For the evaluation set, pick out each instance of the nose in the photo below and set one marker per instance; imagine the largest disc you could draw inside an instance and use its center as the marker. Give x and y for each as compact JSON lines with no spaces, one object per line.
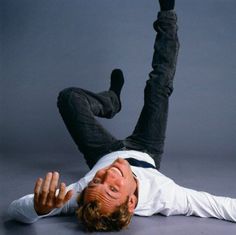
{"x":109,"y":175}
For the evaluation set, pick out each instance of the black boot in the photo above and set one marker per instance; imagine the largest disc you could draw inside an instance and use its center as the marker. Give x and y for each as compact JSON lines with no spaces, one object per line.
{"x":117,"y":82}
{"x":167,"y":5}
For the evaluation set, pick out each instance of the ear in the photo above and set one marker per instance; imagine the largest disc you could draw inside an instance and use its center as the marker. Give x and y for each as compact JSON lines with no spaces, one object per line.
{"x":132,"y":202}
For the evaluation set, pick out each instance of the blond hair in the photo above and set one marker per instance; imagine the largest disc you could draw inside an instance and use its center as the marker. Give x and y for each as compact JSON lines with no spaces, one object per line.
{"x":91,"y":217}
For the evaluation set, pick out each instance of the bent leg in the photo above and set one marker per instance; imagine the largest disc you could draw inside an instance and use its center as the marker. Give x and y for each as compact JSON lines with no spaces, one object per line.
{"x":149,"y":133}
{"x":78,"y":108}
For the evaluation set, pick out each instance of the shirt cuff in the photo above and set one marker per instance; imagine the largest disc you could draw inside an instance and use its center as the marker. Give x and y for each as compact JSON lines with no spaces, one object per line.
{"x":33,"y":214}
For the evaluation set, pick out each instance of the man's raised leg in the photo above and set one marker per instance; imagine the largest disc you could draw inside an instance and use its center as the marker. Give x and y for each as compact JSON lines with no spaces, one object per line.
{"x":149,"y":133}
{"x":78,"y":108}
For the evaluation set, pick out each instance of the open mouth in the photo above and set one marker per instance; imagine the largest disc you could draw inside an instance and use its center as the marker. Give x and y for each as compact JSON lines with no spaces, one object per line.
{"x":117,"y":170}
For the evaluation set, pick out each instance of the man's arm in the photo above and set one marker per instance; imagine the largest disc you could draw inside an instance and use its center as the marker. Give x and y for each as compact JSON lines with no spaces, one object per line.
{"x":184,"y":201}
{"x":47,"y":200}
{"x":203,"y":204}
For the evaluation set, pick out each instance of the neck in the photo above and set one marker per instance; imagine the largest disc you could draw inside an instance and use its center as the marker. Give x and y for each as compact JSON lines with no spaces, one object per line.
{"x":136,"y":189}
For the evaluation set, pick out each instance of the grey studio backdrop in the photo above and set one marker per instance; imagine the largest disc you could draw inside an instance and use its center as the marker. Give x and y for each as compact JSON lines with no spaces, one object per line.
{"x":48,"y":45}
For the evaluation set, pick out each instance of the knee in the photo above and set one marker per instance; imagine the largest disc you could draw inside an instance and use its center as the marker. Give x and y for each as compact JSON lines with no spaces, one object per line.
{"x":70,"y":95}
{"x":63,"y":96}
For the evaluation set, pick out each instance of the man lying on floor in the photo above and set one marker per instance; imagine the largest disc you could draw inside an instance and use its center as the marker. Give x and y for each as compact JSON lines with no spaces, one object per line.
{"x":124,"y":179}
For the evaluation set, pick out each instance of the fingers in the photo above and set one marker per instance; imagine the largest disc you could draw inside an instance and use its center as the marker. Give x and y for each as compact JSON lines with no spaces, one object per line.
{"x":61,"y":195}
{"x":37,"y":189}
{"x":52,"y":189}
{"x":68,"y":196}
{"x":45,"y":188}
{"x":45,"y":193}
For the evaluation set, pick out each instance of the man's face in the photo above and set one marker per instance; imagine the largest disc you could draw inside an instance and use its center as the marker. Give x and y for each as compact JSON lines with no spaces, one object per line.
{"x":112,"y":185}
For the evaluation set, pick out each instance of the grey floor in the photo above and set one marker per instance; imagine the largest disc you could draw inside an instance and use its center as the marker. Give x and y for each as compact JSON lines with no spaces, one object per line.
{"x":209,"y":173}
{"x":47,"y":45}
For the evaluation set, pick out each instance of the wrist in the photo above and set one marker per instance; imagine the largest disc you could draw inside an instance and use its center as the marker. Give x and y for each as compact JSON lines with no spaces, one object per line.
{"x":41,"y":211}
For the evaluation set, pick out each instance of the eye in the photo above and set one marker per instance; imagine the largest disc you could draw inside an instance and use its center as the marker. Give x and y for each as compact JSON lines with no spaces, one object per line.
{"x":113,"y":189}
{"x":96,"y":181}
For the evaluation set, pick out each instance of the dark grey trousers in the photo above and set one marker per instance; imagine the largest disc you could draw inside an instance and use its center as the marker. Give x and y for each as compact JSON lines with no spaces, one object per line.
{"x":78,"y":107}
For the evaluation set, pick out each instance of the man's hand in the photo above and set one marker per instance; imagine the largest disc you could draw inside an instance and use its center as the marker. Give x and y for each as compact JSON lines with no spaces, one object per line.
{"x":45,"y":197}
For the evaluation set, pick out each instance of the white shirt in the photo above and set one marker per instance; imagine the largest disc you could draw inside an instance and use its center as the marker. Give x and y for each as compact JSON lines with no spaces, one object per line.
{"x":157,"y":194}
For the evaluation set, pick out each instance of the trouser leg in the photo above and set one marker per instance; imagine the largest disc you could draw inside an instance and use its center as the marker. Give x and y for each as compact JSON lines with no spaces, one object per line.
{"x":78,"y":108}
{"x":149,"y":132}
